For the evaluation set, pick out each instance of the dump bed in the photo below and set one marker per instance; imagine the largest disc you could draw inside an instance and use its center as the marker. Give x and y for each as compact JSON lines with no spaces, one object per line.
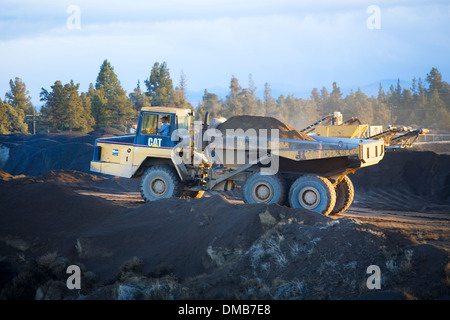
{"x":369,"y":152}
{"x":326,"y":156}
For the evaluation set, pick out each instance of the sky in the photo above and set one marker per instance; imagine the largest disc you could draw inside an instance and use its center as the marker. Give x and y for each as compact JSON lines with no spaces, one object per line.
{"x":293,"y":45}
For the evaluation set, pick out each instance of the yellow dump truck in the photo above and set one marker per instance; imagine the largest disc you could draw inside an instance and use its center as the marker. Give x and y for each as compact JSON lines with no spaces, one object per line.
{"x":192,"y":157}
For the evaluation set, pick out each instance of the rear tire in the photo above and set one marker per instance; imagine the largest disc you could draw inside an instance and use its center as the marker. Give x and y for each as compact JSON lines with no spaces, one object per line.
{"x":160,"y":182}
{"x":313,"y":193}
{"x":345,"y":193}
{"x":269,"y":189}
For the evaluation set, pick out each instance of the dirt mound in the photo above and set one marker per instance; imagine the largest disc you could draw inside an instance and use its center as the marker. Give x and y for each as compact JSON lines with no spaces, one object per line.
{"x":405,"y":180}
{"x":5,"y":176}
{"x":82,"y":180}
{"x":35,"y":155}
{"x":106,"y":132}
{"x":206,"y":248}
{"x":69,"y":176}
{"x":47,"y":216}
{"x":437,"y":147}
{"x":184,"y":238}
{"x":257,"y":123}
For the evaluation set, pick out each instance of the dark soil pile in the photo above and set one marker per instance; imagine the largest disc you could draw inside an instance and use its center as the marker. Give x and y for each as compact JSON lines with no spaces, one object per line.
{"x":405,"y":180}
{"x":257,"y":123}
{"x":70,"y":177}
{"x":438,"y":147}
{"x":206,"y":248}
{"x":80,"y":180}
{"x":35,"y":155}
{"x":5,"y":176}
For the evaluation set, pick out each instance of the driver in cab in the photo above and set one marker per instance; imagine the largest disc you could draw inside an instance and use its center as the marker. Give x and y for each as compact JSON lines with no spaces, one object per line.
{"x":164,"y":128}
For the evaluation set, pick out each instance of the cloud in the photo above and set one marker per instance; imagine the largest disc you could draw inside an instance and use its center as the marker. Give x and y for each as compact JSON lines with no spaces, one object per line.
{"x":299,"y":44}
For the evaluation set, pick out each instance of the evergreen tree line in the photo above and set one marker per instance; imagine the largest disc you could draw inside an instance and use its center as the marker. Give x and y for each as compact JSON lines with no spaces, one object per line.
{"x":424,"y":104}
{"x":106,"y":104}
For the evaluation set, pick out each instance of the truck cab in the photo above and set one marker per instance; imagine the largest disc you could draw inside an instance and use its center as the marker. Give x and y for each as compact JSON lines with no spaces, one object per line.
{"x":124,"y":155}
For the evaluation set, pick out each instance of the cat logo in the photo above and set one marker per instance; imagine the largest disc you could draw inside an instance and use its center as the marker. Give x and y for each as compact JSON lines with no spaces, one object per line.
{"x":154,"y":142}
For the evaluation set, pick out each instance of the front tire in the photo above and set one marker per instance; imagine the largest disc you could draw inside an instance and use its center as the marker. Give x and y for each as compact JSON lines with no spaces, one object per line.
{"x":160,"y":182}
{"x":313,"y":193}
{"x":269,"y":189}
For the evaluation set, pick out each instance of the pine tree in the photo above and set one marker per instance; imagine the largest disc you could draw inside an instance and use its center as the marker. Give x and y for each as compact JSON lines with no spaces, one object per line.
{"x":107,"y":80}
{"x":139,"y":99}
{"x":315,"y":96}
{"x":421,"y":101}
{"x":414,"y":86}
{"x":18,"y":96}
{"x":251,"y":85}
{"x":316,"y":100}
{"x":395,"y":94}
{"x":4,"y":121}
{"x":434,"y":79}
{"x":247,"y":98}
{"x":324,"y":97}
{"x":324,"y":94}
{"x":109,"y":103}
{"x":269,"y":103}
{"x":74,"y":114}
{"x":180,"y":94}
{"x":283,"y":111}
{"x":99,"y":108}
{"x":54,"y":101}
{"x":381,"y":94}
{"x":332,"y":102}
{"x":65,"y":109}
{"x":19,"y":99}
{"x":381,"y":113}
{"x":247,"y":101}
{"x":210,"y":103}
{"x":183,"y":83}
{"x":232,"y":101}
{"x":435,"y":110}
{"x":87,"y":111}
{"x":12,"y":120}
{"x":365,"y":110}
{"x":407,"y":107}
{"x":336,"y":93}
{"x":159,"y":85}
{"x":121,"y":110}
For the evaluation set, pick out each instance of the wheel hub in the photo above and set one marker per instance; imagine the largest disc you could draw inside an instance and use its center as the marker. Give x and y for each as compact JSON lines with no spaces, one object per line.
{"x":309,"y":197}
{"x":158,"y":186}
{"x":262,"y":192}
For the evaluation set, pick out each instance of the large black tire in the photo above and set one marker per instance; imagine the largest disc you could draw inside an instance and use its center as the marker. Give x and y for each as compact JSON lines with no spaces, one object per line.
{"x":313,"y":193}
{"x":345,"y":193}
{"x":160,"y":182}
{"x":269,"y":189}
